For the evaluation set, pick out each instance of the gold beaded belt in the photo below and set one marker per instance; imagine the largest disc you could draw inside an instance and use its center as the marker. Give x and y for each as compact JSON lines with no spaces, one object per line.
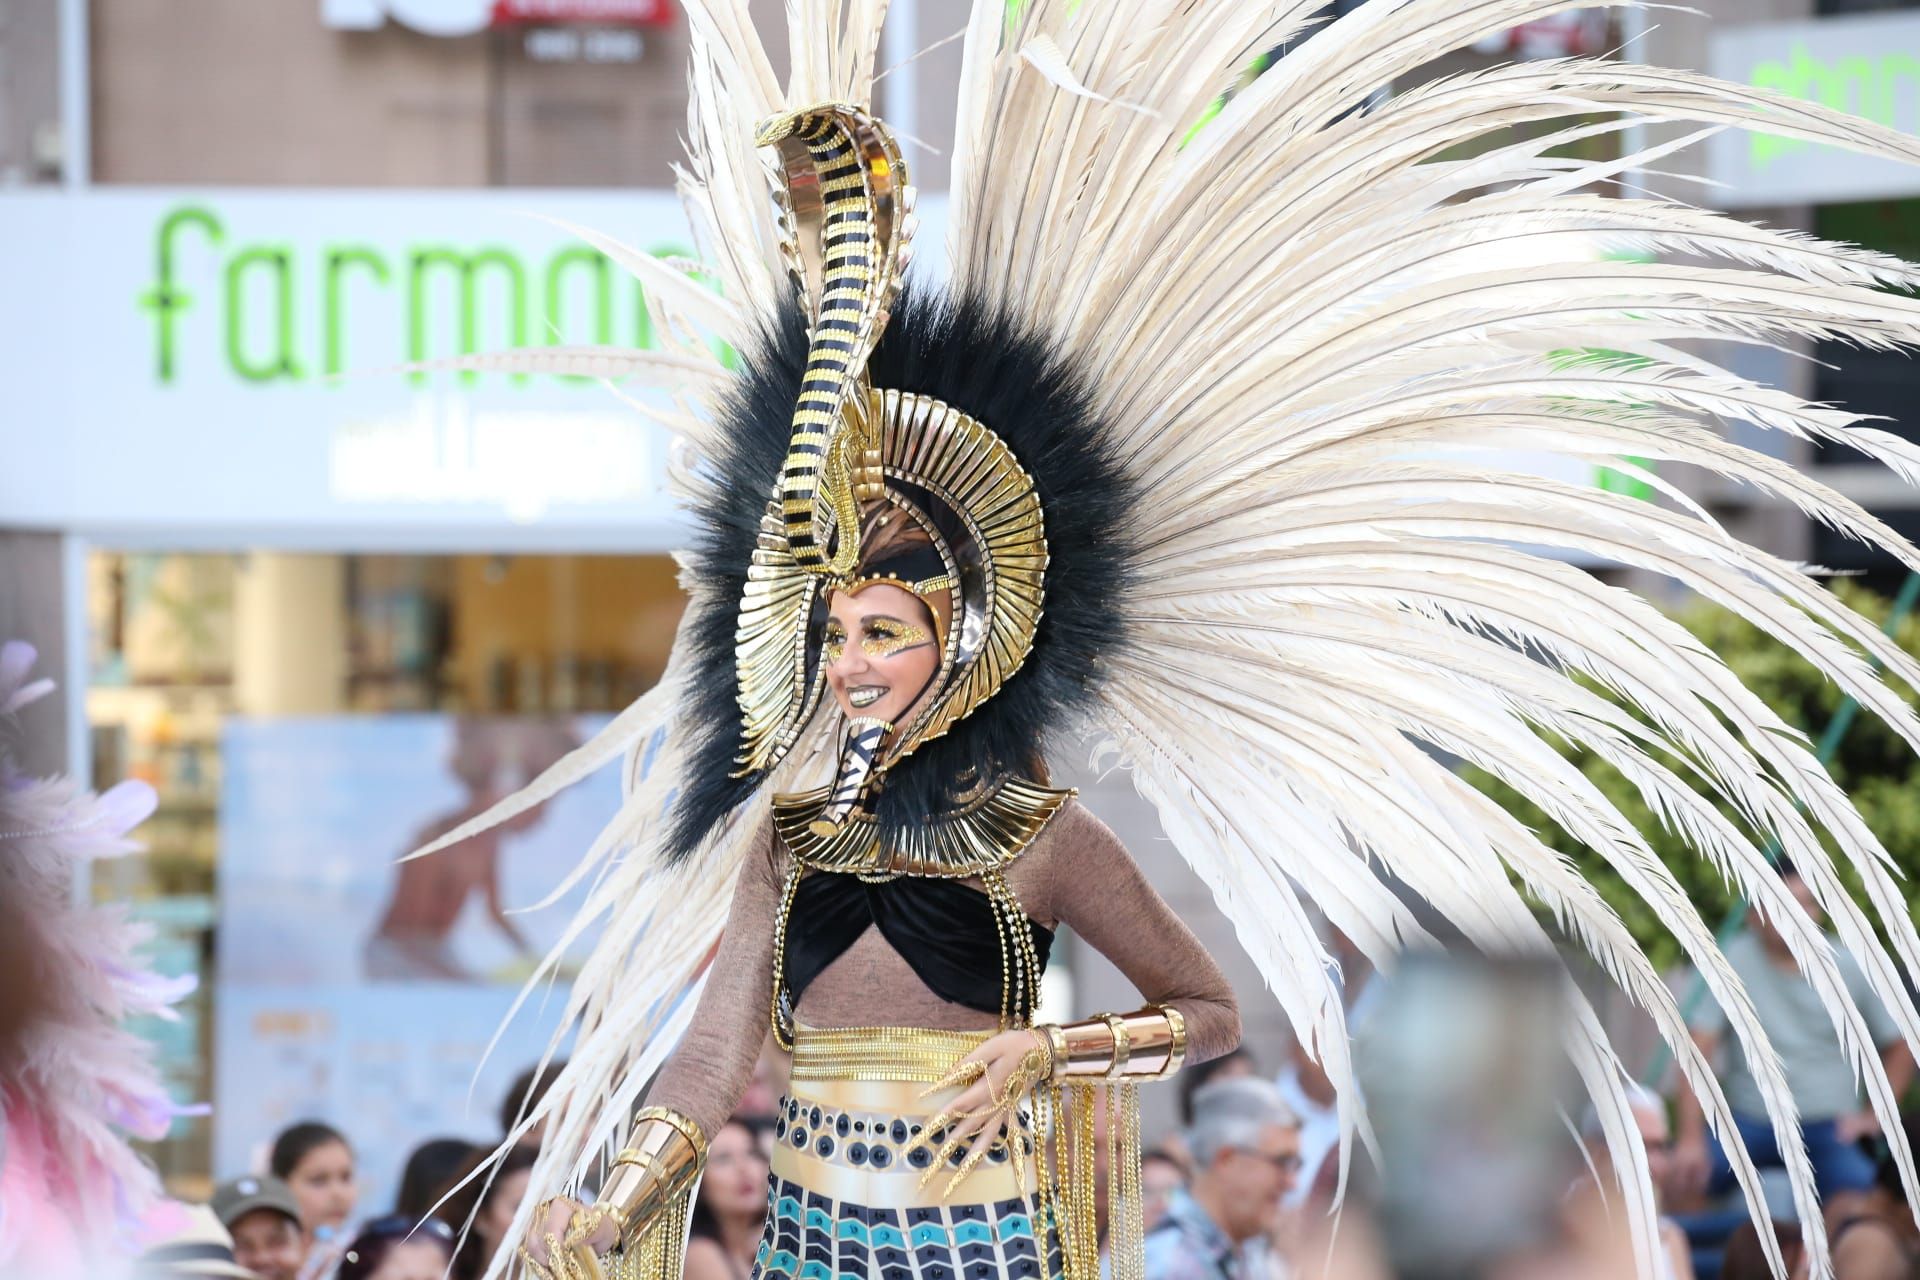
{"x":911,"y":1054}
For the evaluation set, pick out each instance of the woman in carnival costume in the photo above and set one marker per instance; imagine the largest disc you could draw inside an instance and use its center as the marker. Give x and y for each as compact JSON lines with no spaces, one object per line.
{"x":1198,"y":454}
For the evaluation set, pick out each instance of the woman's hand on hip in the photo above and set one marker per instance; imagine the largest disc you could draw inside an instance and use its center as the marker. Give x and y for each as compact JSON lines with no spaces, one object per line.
{"x":994,"y":1080}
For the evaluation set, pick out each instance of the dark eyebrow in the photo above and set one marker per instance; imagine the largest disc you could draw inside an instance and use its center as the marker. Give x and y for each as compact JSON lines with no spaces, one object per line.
{"x":883,"y":617}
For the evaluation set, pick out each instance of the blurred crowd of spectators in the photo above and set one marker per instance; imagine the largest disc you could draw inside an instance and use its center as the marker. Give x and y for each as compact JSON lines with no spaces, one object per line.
{"x":1247,"y":1187}
{"x":301,"y":1218}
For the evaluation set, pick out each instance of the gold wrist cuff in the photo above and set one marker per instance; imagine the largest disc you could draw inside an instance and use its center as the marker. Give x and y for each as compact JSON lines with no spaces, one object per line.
{"x":1056,"y":1039}
{"x":1089,"y":1049}
{"x":1177,"y":1028}
{"x":1122,"y":1046}
{"x":1148,"y":1044}
{"x":664,"y":1154}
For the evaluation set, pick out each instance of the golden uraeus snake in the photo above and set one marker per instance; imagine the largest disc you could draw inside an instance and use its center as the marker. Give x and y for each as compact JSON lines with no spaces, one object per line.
{"x":847,"y":229}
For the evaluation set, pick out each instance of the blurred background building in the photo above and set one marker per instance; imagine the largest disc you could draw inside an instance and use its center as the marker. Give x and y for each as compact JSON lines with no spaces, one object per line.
{"x":221,"y":218}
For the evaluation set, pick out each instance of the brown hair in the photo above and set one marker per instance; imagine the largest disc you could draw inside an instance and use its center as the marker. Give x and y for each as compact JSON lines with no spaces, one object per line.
{"x":893,"y":543}
{"x":463,"y":1204}
{"x":887,"y":531}
{"x":1746,"y":1260}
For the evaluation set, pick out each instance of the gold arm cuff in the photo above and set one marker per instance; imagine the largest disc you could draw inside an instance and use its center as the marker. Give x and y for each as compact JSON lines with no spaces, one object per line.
{"x":1122,"y":1046}
{"x":1147,"y":1044}
{"x":664,"y":1154}
{"x":1177,"y":1027}
{"x":685,"y":1127}
{"x":1056,"y":1048}
{"x":1089,"y":1049}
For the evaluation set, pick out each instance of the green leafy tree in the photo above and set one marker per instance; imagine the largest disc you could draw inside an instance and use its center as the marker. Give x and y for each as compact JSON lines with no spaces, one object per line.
{"x":1873,"y":765}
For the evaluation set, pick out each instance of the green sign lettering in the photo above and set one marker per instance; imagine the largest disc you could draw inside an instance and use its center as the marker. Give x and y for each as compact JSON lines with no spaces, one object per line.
{"x":275,"y":267}
{"x":336,"y":313}
{"x":442,"y":299}
{"x":600,"y":270}
{"x":1865,"y":85}
{"x":163,"y":299}
{"x":469,"y":267}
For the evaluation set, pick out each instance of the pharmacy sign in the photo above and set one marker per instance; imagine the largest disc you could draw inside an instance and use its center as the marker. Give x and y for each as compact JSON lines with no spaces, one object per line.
{"x":1866,"y":64}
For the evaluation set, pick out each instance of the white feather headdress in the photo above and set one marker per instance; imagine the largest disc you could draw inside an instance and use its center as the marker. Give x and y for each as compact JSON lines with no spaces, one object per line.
{"x":1298,"y":325}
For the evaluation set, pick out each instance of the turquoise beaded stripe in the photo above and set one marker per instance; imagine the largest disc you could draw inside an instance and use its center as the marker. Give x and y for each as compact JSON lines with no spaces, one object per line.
{"x":809,"y":1236}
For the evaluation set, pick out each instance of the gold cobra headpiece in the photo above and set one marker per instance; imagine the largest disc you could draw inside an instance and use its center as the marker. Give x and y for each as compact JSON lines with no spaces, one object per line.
{"x":847,"y":225}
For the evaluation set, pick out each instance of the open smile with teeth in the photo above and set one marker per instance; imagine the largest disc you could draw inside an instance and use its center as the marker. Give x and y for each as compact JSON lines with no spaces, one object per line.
{"x":866,"y":695}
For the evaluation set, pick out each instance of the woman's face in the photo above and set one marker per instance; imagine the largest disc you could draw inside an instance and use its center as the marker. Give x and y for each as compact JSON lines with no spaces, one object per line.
{"x":735,"y":1185}
{"x":880,"y":651}
{"x":323,"y":1183}
{"x":413,"y":1260}
{"x":496,"y":1215}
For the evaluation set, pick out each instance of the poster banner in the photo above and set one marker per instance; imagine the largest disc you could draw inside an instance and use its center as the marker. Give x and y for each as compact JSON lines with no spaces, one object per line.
{"x":361,"y":991}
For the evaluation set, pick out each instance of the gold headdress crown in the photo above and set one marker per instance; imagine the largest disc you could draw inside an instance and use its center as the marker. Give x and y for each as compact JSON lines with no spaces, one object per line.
{"x":847,"y":227}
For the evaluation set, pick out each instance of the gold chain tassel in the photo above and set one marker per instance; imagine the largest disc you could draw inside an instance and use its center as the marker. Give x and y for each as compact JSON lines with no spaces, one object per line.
{"x":782,"y":1025}
{"x":661,"y":1253}
{"x":1067,"y":1178}
{"x":1045,"y":1108}
{"x":1126,"y":1227}
{"x":1075,"y":1207}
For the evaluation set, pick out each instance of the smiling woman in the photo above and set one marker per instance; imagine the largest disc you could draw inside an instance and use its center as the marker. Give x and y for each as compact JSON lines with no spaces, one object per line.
{"x":892,"y":658}
{"x":884,"y":643}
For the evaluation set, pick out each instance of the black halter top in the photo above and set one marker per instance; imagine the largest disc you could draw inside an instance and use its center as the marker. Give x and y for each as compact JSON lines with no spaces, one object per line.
{"x":944,"y":929}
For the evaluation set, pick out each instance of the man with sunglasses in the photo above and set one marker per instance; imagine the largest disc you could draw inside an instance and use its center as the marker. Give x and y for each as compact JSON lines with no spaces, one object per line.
{"x":1590,"y":1211}
{"x":1246,"y":1157}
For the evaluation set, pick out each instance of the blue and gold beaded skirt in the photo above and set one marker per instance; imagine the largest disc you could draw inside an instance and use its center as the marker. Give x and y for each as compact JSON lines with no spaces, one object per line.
{"x":844,"y":1200}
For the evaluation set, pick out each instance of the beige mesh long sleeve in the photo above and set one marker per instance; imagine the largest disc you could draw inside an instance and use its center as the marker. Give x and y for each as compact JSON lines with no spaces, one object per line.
{"x":1093,"y":884}
{"x":705,"y":1076}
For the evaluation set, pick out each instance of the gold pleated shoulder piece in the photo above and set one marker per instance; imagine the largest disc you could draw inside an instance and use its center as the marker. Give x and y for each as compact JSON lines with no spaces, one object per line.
{"x":982,"y":836}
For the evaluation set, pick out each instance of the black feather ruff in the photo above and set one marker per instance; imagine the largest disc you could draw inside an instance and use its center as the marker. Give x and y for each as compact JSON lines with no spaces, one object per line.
{"x":973,"y":357}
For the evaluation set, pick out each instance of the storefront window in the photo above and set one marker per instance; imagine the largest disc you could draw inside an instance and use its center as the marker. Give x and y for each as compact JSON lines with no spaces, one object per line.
{"x":1868,"y":382}
{"x":191,"y":652}
{"x":1875,"y":384}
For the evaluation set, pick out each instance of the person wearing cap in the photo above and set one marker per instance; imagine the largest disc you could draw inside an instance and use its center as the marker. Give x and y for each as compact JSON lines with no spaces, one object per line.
{"x":197,"y":1247}
{"x":264,"y":1218}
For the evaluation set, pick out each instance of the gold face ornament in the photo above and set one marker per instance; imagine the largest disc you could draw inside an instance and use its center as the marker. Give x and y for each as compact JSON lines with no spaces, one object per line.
{"x":952,"y":478}
{"x":880,"y":639}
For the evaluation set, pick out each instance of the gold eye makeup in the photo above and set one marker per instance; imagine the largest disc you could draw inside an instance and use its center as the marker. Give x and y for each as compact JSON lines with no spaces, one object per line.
{"x":885,"y":637}
{"x":834,"y":644}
